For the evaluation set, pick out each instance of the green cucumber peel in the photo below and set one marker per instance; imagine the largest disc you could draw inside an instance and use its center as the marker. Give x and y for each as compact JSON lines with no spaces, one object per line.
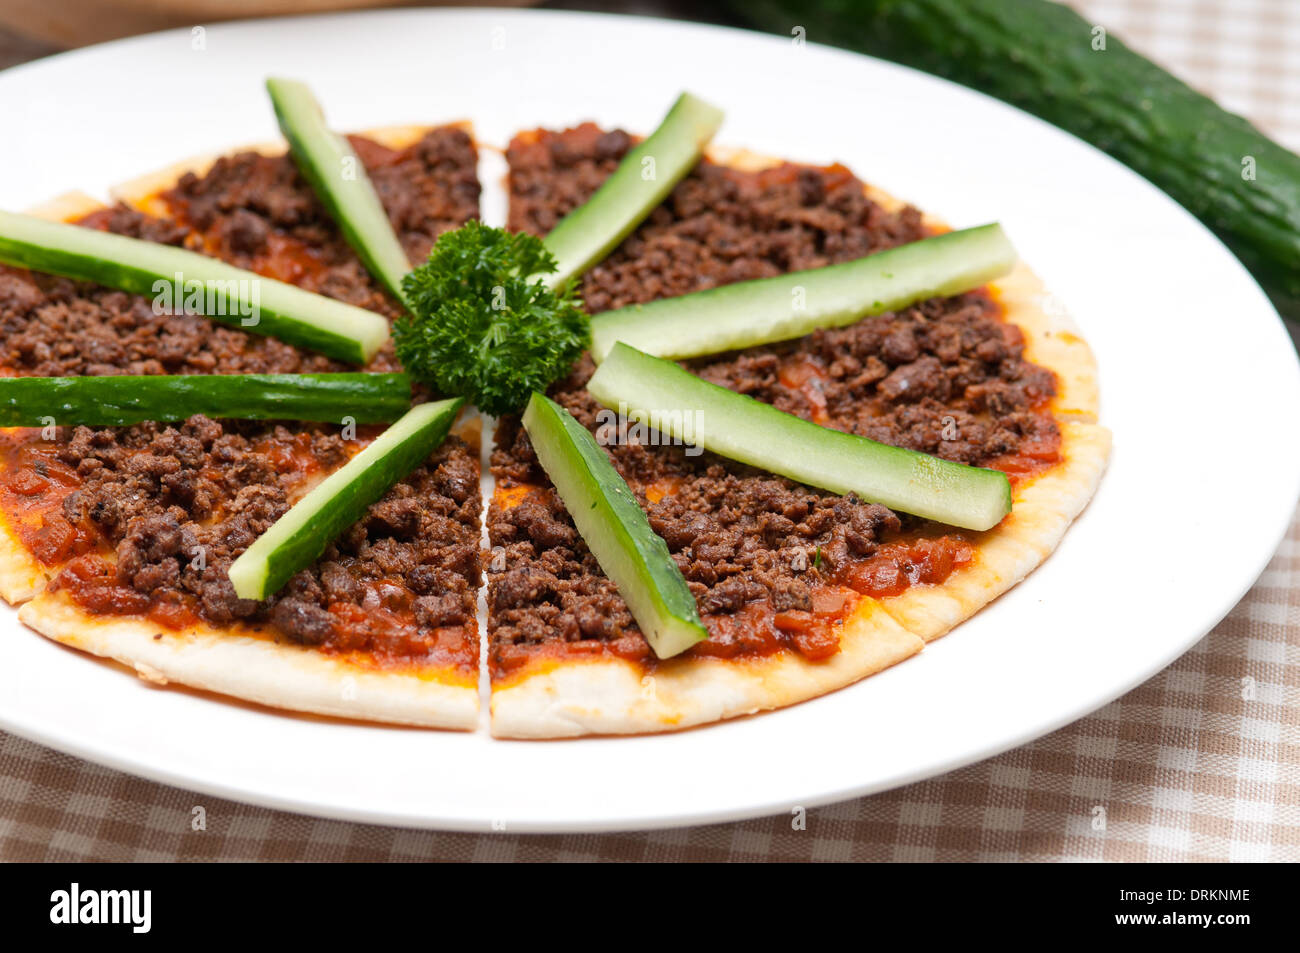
{"x":615,"y":528}
{"x":298,"y":538}
{"x":750,"y":313}
{"x":640,"y":183}
{"x":180,"y":280}
{"x":662,"y":394}
{"x":120,"y":401}
{"x":339,"y":179}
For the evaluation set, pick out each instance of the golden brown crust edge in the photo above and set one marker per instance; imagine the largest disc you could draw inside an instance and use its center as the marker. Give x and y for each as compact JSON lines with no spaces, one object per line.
{"x":1042,"y":510}
{"x":240,"y":665}
{"x":612,"y":696}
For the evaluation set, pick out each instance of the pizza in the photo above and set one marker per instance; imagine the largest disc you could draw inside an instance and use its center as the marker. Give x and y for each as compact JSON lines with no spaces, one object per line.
{"x":119,"y":540}
{"x":802,"y":591}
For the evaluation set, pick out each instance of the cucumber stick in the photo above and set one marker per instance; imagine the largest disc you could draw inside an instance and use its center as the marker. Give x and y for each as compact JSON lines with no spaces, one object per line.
{"x":1050,"y":61}
{"x":661,"y":394}
{"x":180,"y":280}
{"x":298,"y":538}
{"x":642,"y":180}
{"x":339,"y":180}
{"x":124,"y":400}
{"x":789,"y":306}
{"x":615,"y":528}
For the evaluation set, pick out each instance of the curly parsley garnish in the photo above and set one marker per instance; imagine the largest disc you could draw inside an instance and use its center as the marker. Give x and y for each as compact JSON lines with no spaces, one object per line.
{"x":483,"y":325}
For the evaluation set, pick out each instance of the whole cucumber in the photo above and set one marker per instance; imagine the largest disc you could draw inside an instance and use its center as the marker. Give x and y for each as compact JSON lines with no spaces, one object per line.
{"x":1046,"y":59}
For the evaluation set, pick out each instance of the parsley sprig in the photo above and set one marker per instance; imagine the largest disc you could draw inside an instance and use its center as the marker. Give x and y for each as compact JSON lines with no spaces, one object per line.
{"x":483,"y":325}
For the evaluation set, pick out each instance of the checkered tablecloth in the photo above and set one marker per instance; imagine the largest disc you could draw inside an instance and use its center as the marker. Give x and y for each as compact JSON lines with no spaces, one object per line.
{"x":1200,"y":763}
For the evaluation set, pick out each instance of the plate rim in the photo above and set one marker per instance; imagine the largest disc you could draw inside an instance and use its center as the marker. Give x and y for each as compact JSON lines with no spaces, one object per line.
{"x":142,"y":767}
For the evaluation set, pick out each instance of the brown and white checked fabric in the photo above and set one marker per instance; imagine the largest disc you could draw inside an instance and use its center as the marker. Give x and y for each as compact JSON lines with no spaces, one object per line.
{"x":1244,"y":53}
{"x":1200,"y":763}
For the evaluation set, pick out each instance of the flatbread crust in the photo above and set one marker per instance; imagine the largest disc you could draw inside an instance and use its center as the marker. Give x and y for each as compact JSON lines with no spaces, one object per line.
{"x":231,"y":661}
{"x":607,"y":696}
{"x":242,"y":664}
{"x":1042,"y":510}
{"x":567,"y":698}
{"x":21,"y":575}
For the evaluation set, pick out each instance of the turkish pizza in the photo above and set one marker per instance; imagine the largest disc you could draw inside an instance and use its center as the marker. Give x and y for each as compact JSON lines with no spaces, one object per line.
{"x":756,"y":429}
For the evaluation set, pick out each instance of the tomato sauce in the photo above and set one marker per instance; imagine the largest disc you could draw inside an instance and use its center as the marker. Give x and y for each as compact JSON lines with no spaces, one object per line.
{"x":758,"y":630}
{"x":804,"y":374}
{"x":292,"y":456}
{"x":924,"y":557}
{"x":1033,"y":458}
{"x":383,"y":632}
{"x":896,"y":566}
{"x":510,"y":496}
{"x":34,"y":482}
{"x":91,"y":582}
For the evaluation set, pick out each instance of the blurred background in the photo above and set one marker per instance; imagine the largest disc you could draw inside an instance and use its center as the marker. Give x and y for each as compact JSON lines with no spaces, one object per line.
{"x":1236,"y":50}
{"x":32,"y":28}
{"x":1245,"y":53}
{"x":1242,"y":54}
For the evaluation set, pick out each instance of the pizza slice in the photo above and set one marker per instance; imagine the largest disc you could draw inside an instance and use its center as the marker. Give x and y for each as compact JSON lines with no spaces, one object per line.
{"x":802,"y":591}
{"x":118,"y":539}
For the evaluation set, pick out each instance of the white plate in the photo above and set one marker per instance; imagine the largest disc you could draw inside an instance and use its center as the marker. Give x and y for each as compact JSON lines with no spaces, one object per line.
{"x":1199,"y":383}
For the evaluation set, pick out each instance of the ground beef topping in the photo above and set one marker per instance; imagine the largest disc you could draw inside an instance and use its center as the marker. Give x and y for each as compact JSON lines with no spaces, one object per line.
{"x":258,"y":212}
{"x":173,"y":506}
{"x":773,"y":564}
{"x":152,"y":516}
{"x":946,"y":377}
{"x":253,"y":211}
{"x":718,"y":226}
{"x":53,"y":327}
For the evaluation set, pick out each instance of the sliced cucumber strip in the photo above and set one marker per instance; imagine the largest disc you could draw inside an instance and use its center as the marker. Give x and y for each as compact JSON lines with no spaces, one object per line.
{"x":661,"y":395}
{"x":615,"y":528}
{"x":642,"y":180}
{"x":298,"y":538}
{"x":339,"y":180}
{"x":121,"y":401}
{"x":789,"y":306}
{"x":180,"y":280}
